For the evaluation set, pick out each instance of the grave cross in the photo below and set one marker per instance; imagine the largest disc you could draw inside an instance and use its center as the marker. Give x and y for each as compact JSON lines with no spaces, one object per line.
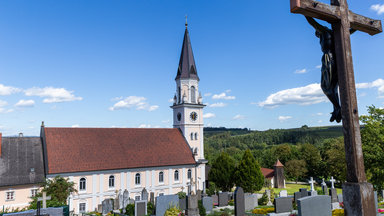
{"x":359,"y":200}
{"x":323,"y":183}
{"x":44,"y":199}
{"x":311,"y":182}
{"x":332,"y":181}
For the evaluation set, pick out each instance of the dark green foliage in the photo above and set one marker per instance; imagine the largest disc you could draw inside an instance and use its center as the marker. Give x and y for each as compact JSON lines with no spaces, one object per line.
{"x":150,"y":208}
{"x":130,"y":209}
{"x":372,"y":136}
{"x":212,"y":189}
{"x":202,"y":211}
{"x":58,"y":188}
{"x":182,"y":195}
{"x":296,"y":169}
{"x":222,"y":172}
{"x":248,"y":174}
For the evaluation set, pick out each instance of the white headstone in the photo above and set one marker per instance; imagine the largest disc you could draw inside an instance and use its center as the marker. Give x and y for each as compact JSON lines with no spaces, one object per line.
{"x":312,"y":186}
{"x":333,"y":181}
{"x":121,"y":199}
{"x":283,"y":193}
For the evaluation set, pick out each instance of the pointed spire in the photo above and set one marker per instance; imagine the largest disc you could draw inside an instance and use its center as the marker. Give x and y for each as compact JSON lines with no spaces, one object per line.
{"x":187,"y":66}
{"x":278,"y":164}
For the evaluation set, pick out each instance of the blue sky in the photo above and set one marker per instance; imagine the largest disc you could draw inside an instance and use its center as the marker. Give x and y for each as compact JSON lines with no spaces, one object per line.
{"x":69,"y":63}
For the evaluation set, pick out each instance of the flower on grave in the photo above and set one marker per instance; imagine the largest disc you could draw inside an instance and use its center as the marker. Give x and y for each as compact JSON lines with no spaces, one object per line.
{"x":341,"y":204}
{"x":338,"y":212}
{"x":263,"y":210}
{"x":380,"y":210}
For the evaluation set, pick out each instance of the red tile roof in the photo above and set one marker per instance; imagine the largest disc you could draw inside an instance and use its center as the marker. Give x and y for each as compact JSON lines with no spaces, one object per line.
{"x":91,"y":149}
{"x":267,"y":173}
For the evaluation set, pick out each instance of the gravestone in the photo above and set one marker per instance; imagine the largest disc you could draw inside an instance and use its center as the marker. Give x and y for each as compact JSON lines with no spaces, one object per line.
{"x":223,"y":199}
{"x":332,"y":182}
{"x":283,"y":204}
{"x":239,"y":202}
{"x":51,"y":211}
{"x":250,"y":201}
{"x":324,"y":188}
{"x":116,"y":203}
{"x":333,"y":194}
{"x":314,"y":206}
{"x":164,"y":202}
{"x":183,"y":203}
{"x":121,"y":199}
{"x":376,"y":204}
{"x":193,"y":208}
{"x":100,"y":208}
{"x":125,"y":199}
{"x":312,"y":193}
{"x":141,"y":208}
{"x":198,"y":194}
{"x":215,"y":199}
{"x":304,"y":192}
{"x":268,"y":192}
{"x":144,"y":194}
{"x":283,"y":193}
{"x":107,"y":206}
{"x":208,"y":204}
{"x":340,"y":197}
{"x":297,"y":195}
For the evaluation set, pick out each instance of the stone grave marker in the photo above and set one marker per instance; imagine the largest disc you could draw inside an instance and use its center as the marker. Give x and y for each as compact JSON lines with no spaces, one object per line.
{"x":250,"y":201}
{"x":340,"y":197}
{"x":144,"y":194}
{"x":125,"y":199}
{"x":283,"y":204}
{"x":215,"y":199}
{"x":193,"y":208}
{"x":100,"y":208}
{"x":376,"y":204}
{"x":283,"y":193}
{"x":268,"y":192}
{"x":208,"y":204}
{"x":152,"y":197}
{"x":183,"y":203}
{"x":239,"y":202}
{"x":332,"y":182}
{"x":164,"y":202}
{"x":324,"y":187}
{"x":121,"y":199}
{"x":223,"y":199}
{"x":312,"y":192}
{"x":141,"y":208}
{"x":107,"y":206}
{"x":304,"y":192}
{"x":333,"y":194}
{"x":198,"y":193}
{"x":314,"y":206}
{"x":297,"y":195}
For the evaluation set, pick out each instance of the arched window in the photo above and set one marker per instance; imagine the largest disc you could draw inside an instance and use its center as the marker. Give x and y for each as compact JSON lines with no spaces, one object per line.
{"x":189,"y":173}
{"x":137,"y":178}
{"x":111,"y":181}
{"x":161,"y":177}
{"x":176,"y":175}
{"x":82,"y":184}
{"x":195,"y":136}
{"x":193,"y":94}
{"x":191,"y":136}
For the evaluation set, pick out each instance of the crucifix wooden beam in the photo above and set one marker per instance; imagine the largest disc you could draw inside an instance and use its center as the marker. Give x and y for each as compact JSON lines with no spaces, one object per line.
{"x":357,"y":192}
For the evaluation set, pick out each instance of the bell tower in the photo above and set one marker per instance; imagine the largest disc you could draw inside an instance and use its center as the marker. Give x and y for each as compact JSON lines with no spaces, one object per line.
{"x":187,"y":102}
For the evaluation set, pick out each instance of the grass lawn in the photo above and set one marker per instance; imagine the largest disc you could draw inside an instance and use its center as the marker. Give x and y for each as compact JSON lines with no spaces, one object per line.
{"x":292,"y":188}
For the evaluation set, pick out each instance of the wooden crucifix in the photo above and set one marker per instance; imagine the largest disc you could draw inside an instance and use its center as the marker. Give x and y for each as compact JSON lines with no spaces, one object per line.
{"x":358,"y":194}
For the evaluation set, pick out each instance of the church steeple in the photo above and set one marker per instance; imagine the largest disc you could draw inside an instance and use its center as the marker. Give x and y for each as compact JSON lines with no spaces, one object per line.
{"x":187,"y":66}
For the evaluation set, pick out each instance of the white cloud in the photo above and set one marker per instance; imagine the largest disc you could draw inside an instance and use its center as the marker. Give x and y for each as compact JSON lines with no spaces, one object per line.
{"x":215,"y":105}
{"x":378,"y":8}
{"x":307,"y":95}
{"x":139,"y":103}
{"x":318,"y":66}
{"x":3,"y":103}
{"x":75,"y":126}
{"x":238,"y":117}
{"x":8,"y":90}
{"x":319,"y":114}
{"x":379,"y":84}
{"x":145,"y":126}
{"x":207,"y":94}
{"x":25,"y":103}
{"x":301,"y":71}
{"x":53,"y":95}
{"x":223,"y":96}
{"x":209,"y":115}
{"x":284,"y":118}
{"x":170,"y":100}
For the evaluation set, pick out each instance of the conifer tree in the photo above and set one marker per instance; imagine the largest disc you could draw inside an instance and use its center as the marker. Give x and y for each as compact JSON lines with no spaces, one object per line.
{"x":248,"y":173}
{"x":222,"y":172}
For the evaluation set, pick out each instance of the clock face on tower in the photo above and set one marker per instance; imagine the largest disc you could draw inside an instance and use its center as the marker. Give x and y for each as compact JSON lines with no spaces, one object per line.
{"x":178,"y":116}
{"x":193,"y":116}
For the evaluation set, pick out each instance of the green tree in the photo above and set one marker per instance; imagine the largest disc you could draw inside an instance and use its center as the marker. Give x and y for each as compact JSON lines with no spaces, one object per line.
{"x":311,"y":155}
{"x":222,"y":171}
{"x":58,"y":188}
{"x":335,"y":159}
{"x":248,"y":173}
{"x":296,"y":169}
{"x":372,"y":136}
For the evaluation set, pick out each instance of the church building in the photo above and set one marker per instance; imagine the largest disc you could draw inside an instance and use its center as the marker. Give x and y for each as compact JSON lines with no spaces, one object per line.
{"x":105,"y":161}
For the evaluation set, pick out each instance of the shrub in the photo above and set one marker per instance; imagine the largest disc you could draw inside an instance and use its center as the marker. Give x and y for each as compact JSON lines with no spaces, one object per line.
{"x":263,"y":210}
{"x":338,"y":212}
{"x":150,"y":208}
{"x":182,"y":195}
{"x":130,"y":209}
{"x":172,"y":211}
{"x":202,"y":210}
